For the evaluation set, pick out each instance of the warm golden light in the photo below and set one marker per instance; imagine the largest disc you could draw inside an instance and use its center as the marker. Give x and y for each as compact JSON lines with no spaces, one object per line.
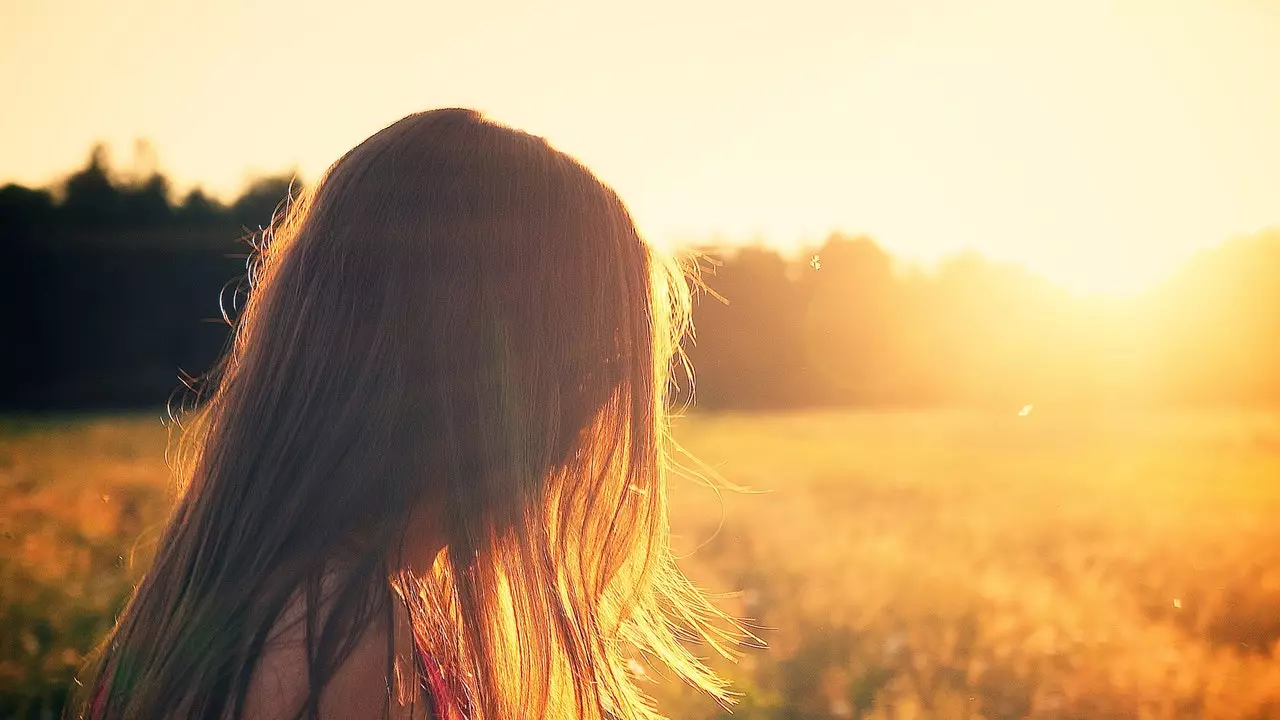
{"x":982,"y":401}
{"x":1098,"y":143}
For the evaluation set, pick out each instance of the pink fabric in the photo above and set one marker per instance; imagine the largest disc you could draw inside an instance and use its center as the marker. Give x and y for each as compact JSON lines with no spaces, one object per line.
{"x":99,"y":702}
{"x":442,"y":700}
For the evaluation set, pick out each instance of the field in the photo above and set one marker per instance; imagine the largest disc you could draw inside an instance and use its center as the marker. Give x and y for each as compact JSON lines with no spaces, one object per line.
{"x":900,"y":565}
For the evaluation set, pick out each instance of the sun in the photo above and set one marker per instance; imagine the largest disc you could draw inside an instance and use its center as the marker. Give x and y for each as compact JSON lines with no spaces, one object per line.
{"x":1105,"y":276}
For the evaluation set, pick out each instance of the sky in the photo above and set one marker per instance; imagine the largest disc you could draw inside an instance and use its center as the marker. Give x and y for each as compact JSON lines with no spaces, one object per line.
{"x":1099,"y":143}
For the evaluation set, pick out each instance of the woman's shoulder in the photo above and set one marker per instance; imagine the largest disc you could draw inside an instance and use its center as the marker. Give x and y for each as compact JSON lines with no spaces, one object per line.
{"x":360,"y":687}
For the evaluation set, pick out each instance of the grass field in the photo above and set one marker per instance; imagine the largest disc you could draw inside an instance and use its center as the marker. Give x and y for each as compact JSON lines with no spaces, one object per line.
{"x":900,"y":565}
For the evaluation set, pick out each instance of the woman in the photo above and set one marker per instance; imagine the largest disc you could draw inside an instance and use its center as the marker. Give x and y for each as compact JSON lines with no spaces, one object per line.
{"x":429,"y":482}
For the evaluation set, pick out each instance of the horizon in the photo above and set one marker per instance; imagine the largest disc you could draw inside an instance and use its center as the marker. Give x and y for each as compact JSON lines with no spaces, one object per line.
{"x":805,"y":250}
{"x":934,"y":130}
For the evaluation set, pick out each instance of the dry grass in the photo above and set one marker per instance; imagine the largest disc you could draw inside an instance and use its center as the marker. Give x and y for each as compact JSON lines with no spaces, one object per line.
{"x":932,"y":564}
{"x":76,"y":497}
{"x":961,"y":565}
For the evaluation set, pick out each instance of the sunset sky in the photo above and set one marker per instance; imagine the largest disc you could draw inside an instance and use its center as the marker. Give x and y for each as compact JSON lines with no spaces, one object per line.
{"x":1099,"y":143}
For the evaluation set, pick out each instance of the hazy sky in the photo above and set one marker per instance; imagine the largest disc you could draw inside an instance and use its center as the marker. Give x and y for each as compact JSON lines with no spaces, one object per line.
{"x":1099,"y":143}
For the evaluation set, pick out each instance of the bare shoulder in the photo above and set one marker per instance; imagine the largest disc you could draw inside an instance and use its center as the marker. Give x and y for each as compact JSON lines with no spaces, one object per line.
{"x":359,"y":687}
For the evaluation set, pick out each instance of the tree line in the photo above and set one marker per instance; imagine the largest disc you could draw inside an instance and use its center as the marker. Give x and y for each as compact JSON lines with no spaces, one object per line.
{"x":847,"y":325}
{"x":114,"y":290}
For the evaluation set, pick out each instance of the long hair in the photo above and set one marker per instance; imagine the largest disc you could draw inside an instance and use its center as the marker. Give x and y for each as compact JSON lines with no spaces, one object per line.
{"x":459,"y":316}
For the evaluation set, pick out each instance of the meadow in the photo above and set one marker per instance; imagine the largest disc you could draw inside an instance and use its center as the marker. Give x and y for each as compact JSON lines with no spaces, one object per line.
{"x":940,"y":564}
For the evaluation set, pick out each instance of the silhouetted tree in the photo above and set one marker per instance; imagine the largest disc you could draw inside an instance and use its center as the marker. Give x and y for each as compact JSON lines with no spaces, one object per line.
{"x":850,"y":320}
{"x":147,"y":203}
{"x":22,"y":209}
{"x":255,"y":208}
{"x":745,"y":351}
{"x":1219,"y":323}
{"x":198,"y":208}
{"x":91,"y":197}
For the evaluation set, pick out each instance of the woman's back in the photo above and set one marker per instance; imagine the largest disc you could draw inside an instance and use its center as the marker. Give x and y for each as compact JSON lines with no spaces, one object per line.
{"x":383,"y":676}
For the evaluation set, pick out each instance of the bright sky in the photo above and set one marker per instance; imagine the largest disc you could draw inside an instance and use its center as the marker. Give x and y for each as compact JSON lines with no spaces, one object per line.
{"x":1099,"y":142}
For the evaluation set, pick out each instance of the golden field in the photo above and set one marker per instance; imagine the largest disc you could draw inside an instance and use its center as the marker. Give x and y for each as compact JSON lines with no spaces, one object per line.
{"x":948,"y":564}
